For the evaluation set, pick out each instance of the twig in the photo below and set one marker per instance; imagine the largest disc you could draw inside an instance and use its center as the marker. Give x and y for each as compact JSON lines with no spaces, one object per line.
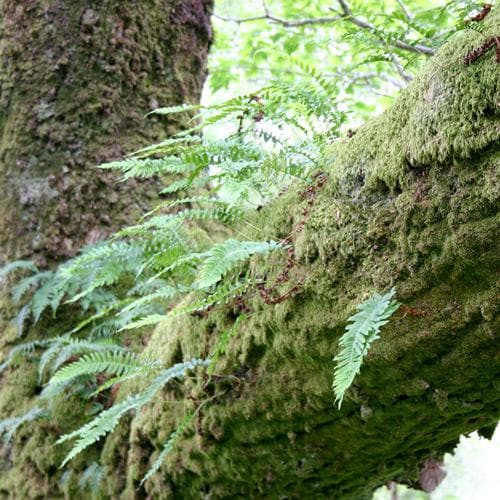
{"x":405,"y":10}
{"x":287,"y":23}
{"x":345,"y":15}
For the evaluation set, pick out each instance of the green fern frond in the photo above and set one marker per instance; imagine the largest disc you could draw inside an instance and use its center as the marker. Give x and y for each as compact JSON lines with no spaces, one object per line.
{"x":115,"y":363}
{"x":175,"y":187}
{"x":163,"y":294}
{"x":362,"y":331}
{"x":224,"y":256}
{"x":171,"y":110}
{"x":107,"y":420}
{"x":18,"y":265}
{"x":168,"y":446}
{"x":147,"y":167}
{"x":223,"y":342}
{"x":60,"y":349}
{"x":91,"y":478}
{"x":104,"y":423}
{"x":168,"y":145}
{"x":26,"y":284}
{"x":152,"y":319}
{"x":21,"y":318}
{"x":9,"y":426}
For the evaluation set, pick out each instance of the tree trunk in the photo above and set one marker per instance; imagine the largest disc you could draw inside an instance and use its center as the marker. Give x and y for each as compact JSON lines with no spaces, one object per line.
{"x":411,"y":202}
{"x":76,"y":81}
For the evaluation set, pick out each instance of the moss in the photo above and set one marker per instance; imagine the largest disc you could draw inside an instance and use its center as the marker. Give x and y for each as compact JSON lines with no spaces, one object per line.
{"x":75,"y":99}
{"x":411,"y":202}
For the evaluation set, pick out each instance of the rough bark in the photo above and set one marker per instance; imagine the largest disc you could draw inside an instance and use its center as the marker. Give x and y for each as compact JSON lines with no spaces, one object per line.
{"x":76,"y":81}
{"x":411,"y":202}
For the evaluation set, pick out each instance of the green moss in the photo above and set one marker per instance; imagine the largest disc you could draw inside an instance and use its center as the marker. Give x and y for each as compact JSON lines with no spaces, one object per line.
{"x":412,"y":202}
{"x":78,"y":98}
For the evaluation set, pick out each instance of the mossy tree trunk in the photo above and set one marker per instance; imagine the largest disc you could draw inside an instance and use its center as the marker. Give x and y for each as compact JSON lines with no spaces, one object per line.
{"x":411,"y":202}
{"x":76,"y":80}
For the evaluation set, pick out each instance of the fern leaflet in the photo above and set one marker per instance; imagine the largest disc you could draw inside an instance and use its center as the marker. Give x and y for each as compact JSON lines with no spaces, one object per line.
{"x":362,"y":331}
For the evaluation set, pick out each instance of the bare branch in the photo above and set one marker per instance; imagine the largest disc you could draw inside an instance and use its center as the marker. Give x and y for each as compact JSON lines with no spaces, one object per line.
{"x":287,"y":23}
{"x":345,"y":15}
{"x":405,"y":10}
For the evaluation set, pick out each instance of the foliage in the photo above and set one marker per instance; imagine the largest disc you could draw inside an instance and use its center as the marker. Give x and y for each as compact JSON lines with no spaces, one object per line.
{"x":9,"y":426}
{"x":168,"y":446}
{"x":363,"y":329}
{"x":107,"y":420}
{"x":174,"y":259}
{"x":357,"y":49}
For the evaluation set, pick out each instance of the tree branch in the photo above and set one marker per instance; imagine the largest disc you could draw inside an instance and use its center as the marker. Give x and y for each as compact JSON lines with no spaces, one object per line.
{"x":287,"y":23}
{"x":346,"y":15}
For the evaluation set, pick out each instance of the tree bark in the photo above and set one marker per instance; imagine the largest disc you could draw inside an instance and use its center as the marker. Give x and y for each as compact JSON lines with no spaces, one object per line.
{"x":411,"y":202}
{"x":76,"y":81}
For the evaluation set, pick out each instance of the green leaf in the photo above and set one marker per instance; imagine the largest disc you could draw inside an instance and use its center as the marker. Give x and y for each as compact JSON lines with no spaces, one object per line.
{"x":224,"y":256}
{"x":363,"y":329}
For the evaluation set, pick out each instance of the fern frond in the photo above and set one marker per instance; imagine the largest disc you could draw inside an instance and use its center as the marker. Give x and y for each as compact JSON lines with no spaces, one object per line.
{"x":115,"y":363}
{"x":168,"y":446}
{"x":171,"y":110}
{"x":21,"y":319}
{"x":224,"y":256}
{"x":147,"y":167}
{"x":91,"y":478}
{"x":107,"y":420}
{"x":362,"y":331}
{"x":163,"y":294}
{"x":221,"y":346}
{"x":26,"y":284}
{"x":62,"y":348}
{"x":152,"y":319}
{"x":9,"y":426}
{"x":18,"y":265}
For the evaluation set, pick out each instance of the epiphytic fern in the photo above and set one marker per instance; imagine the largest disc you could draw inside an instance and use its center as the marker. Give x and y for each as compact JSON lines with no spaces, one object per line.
{"x":107,"y":420}
{"x":114,"y":362}
{"x":363,"y":329}
{"x":168,"y":446}
{"x":18,"y":265}
{"x":224,"y":256}
{"x":9,"y":426}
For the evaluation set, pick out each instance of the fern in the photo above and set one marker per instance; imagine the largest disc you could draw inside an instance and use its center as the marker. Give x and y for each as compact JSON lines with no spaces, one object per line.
{"x":117,"y":363}
{"x":91,"y":478}
{"x":168,"y":446}
{"x":107,"y":420}
{"x":18,"y":265}
{"x":9,"y":426}
{"x":363,"y":330}
{"x":221,"y":346}
{"x":224,"y":256}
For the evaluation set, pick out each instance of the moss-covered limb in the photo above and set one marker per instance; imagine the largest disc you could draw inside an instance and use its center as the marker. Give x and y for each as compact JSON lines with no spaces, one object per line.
{"x":412,"y":202}
{"x":76,"y":80}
